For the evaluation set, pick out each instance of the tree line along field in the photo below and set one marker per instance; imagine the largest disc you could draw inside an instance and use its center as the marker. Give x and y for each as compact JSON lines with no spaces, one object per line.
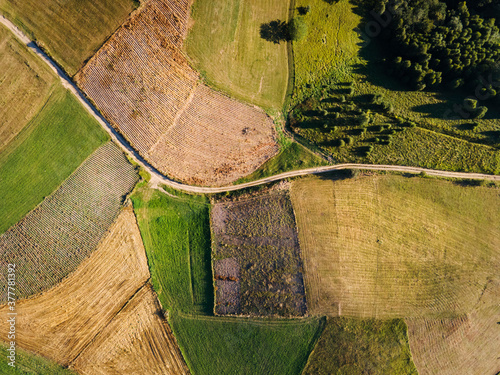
{"x":386,"y":246}
{"x":235,"y":58}
{"x":103,"y":318}
{"x":145,"y":87}
{"x":345,"y":103}
{"x":54,"y":238}
{"x":70,"y":31}
{"x":176,"y":233}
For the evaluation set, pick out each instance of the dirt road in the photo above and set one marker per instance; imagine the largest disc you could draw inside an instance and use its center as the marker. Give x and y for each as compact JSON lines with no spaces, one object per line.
{"x":158,"y":179}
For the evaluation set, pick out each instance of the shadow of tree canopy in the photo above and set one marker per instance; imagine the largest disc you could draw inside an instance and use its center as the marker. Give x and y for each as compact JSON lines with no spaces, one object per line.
{"x":275,"y":31}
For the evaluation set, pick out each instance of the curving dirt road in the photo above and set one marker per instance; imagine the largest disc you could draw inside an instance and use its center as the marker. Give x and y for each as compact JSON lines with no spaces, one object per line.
{"x":158,"y":179}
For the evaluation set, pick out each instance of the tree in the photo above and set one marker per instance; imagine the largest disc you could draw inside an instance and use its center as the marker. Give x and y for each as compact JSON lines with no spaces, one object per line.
{"x":297,"y":29}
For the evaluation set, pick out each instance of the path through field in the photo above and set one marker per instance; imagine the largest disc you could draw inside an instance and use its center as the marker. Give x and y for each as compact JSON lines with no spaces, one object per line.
{"x":158,"y":178}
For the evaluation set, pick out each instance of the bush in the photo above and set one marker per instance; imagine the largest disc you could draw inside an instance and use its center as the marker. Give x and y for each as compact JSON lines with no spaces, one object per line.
{"x":470,"y":104}
{"x":480,"y":112}
{"x":341,"y":143}
{"x":297,"y":29}
{"x":304,"y":10}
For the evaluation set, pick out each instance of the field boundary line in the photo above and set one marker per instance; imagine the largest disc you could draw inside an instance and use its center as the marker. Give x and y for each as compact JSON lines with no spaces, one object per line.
{"x":159,"y":178}
{"x":145,"y":284}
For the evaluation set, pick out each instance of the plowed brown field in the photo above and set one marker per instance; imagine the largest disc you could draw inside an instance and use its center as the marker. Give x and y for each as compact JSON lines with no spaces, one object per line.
{"x":144,"y":86}
{"x":67,"y":319}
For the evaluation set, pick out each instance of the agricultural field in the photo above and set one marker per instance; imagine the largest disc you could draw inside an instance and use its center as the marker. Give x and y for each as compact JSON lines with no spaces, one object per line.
{"x":90,"y":312}
{"x":70,"y":31}
{"x":145,"y":87}
{"x":53,"y":144}
{"x":53,"y":239}
{"x":346,"y":104}
{"x":387,"y":246}
{"x":29,"y":363}
{"x":25,"y":85}
{"x":359,"y":346}
{"x":137,"y":341}
{"x":468,"y":342}
{"x":175,"y":228}
{"x":235,"y":58}
{"x":256,"y":257}
{"x":238,"y":346}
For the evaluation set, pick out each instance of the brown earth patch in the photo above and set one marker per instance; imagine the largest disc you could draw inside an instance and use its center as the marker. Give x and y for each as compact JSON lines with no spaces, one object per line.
{"x":145,"y":87}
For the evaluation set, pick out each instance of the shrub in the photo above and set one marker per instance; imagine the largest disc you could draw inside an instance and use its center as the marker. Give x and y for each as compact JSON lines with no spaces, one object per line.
{"x":470,"y":104}
{"x":304,"y":10}
{"x":341,"y":143}
{"x":297,"y":29}
{"x":480,"y":112}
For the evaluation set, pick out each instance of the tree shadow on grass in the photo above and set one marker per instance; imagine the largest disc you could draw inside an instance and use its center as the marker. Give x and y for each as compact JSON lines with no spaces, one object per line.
{"x":275,"y":31}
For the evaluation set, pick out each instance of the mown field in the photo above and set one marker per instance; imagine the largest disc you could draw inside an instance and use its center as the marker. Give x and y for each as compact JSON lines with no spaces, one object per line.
{"x":25,"y":85}
{"x":334,"y":107}
{"x":71,"y":31}
{"x":176,"y":234}
{"x":54,"y":238}
{"x":357,"y":346}
{"x":225,"y":45}
{"x":54,"y":143}
{"x":388,"y":246}
{"x":29,"y":363}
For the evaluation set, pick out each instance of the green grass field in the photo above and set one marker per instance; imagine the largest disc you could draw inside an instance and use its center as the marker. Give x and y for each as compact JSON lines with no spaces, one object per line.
{"x":353,"y":346}
{"x":28,"y":363}
{"x":387,"y":246}
{"x":56,"y":141}
{"x":25,"y":85}
{"x":330,"y":64}
{"x":176,"y":234}
{"x":292,"y":156}
{"x":225,"y":45}
{"x":71,"y":31}
{"x":234,"y":346}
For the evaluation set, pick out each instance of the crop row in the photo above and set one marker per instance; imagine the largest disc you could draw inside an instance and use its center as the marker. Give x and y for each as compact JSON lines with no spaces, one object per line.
{"x":54,"y":238}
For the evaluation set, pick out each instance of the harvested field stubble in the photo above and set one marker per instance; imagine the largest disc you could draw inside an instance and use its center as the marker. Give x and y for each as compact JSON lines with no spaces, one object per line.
{"x":104,"y":318}
{"x":469,"y":342}
{"x":145,"y":87}
{"x":54,"y":238}
{"x":137,"y":341}
{"x":390,"y":246}
{"x":256,"y":253}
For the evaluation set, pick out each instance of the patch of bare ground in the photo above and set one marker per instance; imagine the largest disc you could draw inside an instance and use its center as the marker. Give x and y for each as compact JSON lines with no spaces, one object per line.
{"x":67,"y":319}
{"x":467,"y":344}
{"x":144,"y":86}
{"x":256,"y":257}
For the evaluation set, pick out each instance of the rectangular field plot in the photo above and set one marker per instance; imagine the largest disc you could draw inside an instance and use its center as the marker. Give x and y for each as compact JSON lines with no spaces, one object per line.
{"x":71,"y":31}
{"x":362,"y":346}
{"x":390,"y":246}
{"x":54,"y":238}
{"x":256,"y":257}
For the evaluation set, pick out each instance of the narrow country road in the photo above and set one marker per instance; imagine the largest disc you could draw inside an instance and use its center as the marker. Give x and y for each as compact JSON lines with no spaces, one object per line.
{"x":157,"y":178}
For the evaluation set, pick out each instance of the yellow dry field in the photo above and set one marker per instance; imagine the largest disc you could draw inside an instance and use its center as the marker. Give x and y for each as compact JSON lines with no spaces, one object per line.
{"x":64,"y":321}
{"x":137,"y":341}
{"x":25,"y":86}
{"x":387,"y":246}
{"x":467,"y":344}
{"x":143,"y":84}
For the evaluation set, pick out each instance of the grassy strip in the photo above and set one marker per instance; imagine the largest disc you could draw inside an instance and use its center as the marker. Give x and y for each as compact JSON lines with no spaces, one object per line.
{"x":28,"y":363}
{"x":176,"y":233}
{"x":354,"y":346}
{"x":235,"y":58}
{"x":44,"y":154}
{"x":70,"y":31}
{"x":243,"y":346}
{"x":291,"y":157}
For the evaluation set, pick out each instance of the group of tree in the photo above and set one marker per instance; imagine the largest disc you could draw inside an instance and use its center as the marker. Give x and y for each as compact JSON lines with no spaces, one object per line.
{"x":278,"y":31}
{"x":438,"y":42}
